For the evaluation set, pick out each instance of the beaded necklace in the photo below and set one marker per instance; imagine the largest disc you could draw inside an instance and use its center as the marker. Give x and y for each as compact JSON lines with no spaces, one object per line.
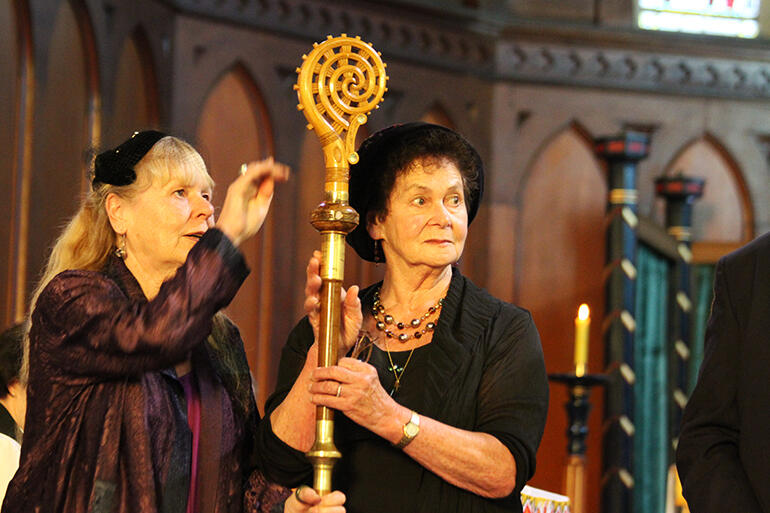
{"x":383,"y":324}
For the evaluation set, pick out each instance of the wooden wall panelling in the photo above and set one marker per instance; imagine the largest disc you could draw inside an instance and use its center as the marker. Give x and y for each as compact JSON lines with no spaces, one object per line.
{"x":437,"y":115}
{"x":559,"y":263}
{"x":135,"y":100}
{"x":16,"y":107}
{"x":9,"y":102}
{"x":232,"y":129}
{"x":94,"y":113}
{"x":310,"y":178}
{"x":135,"y":37}
{"x":23,"y":155}
{"x":472,"y":263}
{"x":65,"y":126}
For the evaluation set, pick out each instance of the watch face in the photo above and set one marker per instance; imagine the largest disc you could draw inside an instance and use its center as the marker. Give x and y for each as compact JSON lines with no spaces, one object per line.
{"x":411,"y":430}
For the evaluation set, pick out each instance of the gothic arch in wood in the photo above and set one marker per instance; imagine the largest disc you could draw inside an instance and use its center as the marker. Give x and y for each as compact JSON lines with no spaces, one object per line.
{"x":559,"y":260}
{"x":135,"y":99}
{"x":67,"y":125}
{"x":16,"y":114}
{"x":723,"y":219}
{"x":437,"y":114}
{"x":233,"y":128}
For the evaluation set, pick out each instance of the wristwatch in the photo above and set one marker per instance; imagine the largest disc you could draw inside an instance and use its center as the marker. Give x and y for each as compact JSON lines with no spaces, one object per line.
{"x":411,"y":429}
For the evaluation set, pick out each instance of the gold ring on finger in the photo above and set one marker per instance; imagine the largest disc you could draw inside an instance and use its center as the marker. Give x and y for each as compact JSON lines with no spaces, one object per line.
{"x":339,"y":389}
{"x":296,"y":495}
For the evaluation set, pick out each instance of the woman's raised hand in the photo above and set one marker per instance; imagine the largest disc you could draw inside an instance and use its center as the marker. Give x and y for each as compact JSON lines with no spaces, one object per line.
{"x":307,"y":500}
{"x":351,"y":305}
{"x":248,"y":199}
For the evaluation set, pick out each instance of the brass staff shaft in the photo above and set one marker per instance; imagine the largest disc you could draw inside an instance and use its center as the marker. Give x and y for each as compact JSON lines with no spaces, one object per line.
{"x":324,"y":454}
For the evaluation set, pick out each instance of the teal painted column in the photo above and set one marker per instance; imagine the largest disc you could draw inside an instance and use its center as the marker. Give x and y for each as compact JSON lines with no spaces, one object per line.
{"x":622,"y":154}
{"x":680,"y":193}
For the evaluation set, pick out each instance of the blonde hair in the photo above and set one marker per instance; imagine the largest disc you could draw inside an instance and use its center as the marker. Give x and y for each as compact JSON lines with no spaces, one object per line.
{"x":88,"y":239}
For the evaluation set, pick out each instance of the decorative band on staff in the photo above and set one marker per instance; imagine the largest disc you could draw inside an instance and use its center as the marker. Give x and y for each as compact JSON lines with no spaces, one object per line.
{"x":624,"y":196}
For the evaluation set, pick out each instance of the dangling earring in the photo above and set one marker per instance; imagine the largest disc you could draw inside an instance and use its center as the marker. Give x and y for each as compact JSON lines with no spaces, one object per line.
{"x":378,"y":252}
{"x":120,"y":251}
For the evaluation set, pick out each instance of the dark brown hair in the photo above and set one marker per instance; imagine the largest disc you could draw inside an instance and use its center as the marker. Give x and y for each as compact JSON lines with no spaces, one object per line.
{"x":391,"y":152}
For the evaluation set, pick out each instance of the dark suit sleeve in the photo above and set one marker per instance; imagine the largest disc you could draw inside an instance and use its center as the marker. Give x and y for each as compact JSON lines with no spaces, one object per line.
{"x":708,"y":461}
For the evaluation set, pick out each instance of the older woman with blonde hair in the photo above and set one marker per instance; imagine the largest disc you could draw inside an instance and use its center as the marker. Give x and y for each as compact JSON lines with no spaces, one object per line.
{"x":139,"y":394}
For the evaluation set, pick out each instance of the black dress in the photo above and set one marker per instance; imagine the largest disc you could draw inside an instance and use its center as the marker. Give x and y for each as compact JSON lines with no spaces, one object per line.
{"x":483,"y":372}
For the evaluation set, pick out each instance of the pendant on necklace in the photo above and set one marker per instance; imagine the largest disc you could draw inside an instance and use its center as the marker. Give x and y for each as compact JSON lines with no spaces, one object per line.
{"x":394,"y":389}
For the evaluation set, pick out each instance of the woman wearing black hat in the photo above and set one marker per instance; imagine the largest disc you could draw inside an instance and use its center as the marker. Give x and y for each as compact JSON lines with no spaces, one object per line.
{"x":139,"y":394}
{"x":443,"y":404}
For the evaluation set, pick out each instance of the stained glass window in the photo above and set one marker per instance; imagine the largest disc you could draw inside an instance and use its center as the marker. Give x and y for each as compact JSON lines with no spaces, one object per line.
{"x":737,"y":18}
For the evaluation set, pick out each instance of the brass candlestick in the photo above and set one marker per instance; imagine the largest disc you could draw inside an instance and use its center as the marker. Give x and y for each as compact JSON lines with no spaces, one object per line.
{"x":578,"y":408}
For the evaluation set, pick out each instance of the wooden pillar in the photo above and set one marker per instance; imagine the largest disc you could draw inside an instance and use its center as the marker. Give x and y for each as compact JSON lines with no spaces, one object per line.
{"x":622,"y":154}
{"x":680,"y":192}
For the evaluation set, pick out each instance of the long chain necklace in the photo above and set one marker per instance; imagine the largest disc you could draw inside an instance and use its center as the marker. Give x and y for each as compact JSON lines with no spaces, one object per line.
{"x":396,"y":374}
{"x":386,"y":321}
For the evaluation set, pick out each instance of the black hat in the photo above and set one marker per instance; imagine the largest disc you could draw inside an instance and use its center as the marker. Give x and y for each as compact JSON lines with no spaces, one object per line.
{"x":116,"y":166}
{"x":365,"y":175}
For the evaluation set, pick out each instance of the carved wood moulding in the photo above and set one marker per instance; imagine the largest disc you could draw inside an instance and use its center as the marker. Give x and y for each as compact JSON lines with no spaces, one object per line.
{"x":445,"y":46}
{"x":635,"y":70}
{"x":452,"y":43}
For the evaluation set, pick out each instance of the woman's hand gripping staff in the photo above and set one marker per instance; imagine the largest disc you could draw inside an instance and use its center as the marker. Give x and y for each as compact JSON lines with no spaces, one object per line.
{"x":294,"y":420}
